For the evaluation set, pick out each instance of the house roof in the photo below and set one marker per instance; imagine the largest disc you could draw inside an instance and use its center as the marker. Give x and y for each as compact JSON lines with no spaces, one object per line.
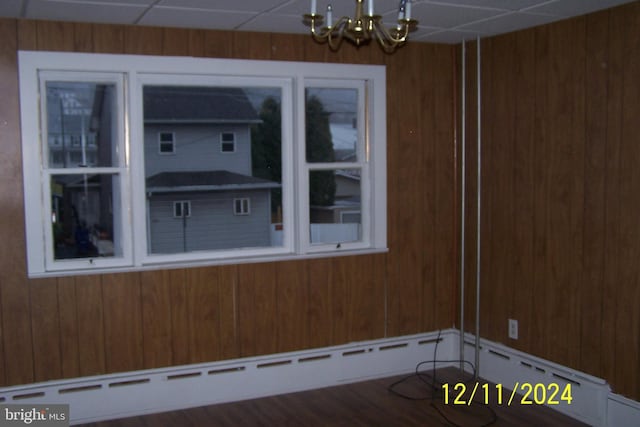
{"x":218,"y":180}
{"x":192,"y":104}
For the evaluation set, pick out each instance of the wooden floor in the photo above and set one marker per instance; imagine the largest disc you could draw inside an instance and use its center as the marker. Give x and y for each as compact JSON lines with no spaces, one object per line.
{"x":370,"y":403}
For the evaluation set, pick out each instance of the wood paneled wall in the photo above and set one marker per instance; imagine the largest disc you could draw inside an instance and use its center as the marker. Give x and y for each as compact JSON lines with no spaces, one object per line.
{"x":86,"y":325}
{"x":560,"y":241}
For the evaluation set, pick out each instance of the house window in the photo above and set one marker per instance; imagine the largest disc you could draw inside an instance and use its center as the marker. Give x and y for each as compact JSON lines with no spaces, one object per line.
{"x":166,"y":144}
{"x":182,"y":209}
{"x":307,"y":178}
{"x":241,"y":206}
{"x":227,"y":142}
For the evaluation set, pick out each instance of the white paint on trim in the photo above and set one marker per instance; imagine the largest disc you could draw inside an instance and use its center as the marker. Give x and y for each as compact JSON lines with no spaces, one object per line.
{"x":512,"y":368}
{"x":622,"y":412}
{"x":143,"y":392}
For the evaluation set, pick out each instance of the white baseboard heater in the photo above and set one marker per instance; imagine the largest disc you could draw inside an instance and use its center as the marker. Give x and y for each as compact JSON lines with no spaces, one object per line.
{"x":143,"y":392}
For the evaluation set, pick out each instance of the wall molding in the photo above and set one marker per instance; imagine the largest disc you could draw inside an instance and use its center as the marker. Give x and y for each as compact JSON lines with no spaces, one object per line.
{"x":180,"y":387}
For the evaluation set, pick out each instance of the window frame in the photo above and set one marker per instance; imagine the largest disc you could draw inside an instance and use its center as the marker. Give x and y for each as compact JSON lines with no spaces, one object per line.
{"x":161,"y":143}
{"x":223,"y":142}
{"x":243,"y":201}
{"x":182,"y":204}
{"x":137,"y":70}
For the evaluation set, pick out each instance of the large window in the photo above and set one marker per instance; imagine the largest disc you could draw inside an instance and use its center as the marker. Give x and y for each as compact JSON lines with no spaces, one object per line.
{"x":149,"y":163}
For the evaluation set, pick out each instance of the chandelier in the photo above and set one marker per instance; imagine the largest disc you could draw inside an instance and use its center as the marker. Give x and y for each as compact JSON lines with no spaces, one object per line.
{"x":362,"y":27}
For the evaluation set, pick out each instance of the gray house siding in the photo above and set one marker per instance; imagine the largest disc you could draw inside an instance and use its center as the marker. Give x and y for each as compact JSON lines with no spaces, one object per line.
{"x":212,"y":224}
{"x":197,"y":147}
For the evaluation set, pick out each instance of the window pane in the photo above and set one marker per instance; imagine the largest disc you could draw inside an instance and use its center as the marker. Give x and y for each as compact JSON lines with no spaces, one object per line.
{"x":81,"y":124}
{"x":84,"y":216}
{"x":335,"y":206}
{"x":332,"y":125}
{"x":227,"y":146}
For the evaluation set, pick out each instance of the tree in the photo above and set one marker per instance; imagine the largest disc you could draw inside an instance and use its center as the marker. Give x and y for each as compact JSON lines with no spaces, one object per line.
{"x":322,"y":185}
{"x":266,"y":148}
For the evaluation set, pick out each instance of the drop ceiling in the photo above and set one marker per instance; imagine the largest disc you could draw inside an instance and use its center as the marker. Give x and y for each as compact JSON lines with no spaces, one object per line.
{"x":440,"y":21}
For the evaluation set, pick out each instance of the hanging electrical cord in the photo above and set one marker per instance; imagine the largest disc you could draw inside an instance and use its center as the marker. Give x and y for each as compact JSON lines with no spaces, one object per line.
{"x":435,"y":387}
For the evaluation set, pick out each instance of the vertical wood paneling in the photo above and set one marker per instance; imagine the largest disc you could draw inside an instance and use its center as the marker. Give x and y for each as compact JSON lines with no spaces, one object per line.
{"x":293,"y":303}
{"x":540,"y":189}
{"x":202,"y":288}
{"x":14,"y":291}
{"x":82,"y":38}
{"x":406,"y":195}
{"x":320,"y":305}
{"x":180,"y":325}
{"x":69,"y":342}
{"x":143,"y":40}
{"x":287,"y":47}
{"x":560,"y":184}
{"x":109,"y":38}
{"x":176,"y":41}
{"x":247,"y":45}
{"x":627,"y":329}
{"x":91,"y":336}
{"x":227,"y":335}
{"x":55,"y":36}
{"x":523,"y":185}
{"x":446,"y":195}
{"x":45,"y":330}
{"x":218,"y":44}
{"x":122,"y":322}
{"x":257,"y":309}
{"x":591,"y":297}
{"x":156,"y":317}
{"x":497,"y":180}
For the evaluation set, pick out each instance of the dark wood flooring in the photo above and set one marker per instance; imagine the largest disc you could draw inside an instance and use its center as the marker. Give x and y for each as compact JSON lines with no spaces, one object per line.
{"x":368,"y":403}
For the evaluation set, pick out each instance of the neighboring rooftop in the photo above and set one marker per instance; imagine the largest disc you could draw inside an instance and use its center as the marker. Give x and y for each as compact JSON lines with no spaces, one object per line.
{"x":166,"y":182}
{"x":192,"y":104}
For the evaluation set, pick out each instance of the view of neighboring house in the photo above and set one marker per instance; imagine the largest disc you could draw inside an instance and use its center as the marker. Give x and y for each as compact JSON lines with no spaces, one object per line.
{"x":201,"y":194}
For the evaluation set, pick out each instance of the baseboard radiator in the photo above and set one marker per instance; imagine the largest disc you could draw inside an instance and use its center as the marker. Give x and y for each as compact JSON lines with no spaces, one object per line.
{"x":144,"y":392}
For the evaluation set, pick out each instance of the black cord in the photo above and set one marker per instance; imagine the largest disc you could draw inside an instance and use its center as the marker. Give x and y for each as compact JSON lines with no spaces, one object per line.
{"x":436,"y":386}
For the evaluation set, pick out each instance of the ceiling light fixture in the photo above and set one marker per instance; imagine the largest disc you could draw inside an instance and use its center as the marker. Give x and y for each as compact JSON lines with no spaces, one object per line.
{"x":362,"y":28}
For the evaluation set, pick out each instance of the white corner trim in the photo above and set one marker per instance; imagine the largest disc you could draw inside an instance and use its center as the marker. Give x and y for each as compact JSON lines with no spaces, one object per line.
{"x":158,"y":390}
{"x":622,"y":411}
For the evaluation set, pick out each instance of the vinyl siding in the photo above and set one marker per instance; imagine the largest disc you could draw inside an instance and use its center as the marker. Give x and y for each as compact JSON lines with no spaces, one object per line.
{"x":212,"y":224}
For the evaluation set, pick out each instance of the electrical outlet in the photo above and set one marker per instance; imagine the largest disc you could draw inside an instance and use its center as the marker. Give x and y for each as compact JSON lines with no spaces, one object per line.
{"x":513,"y":329}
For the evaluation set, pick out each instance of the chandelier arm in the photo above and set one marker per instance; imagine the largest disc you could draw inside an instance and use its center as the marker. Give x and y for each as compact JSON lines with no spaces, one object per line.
{"x":387,"y":34}
{"x":386,"y":45}
{"x":332,"y":35}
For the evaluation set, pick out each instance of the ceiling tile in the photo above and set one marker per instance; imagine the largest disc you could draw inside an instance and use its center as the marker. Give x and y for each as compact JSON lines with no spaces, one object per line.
{"x":194,"y":18}
{"x":228,"y":5}
{"x":567,"y":8}
{"x":448,"y":36}
{"x":493,"y":4}
{"x":508,"y":22}
{"x":10,"y":8}
{"x":276,"y":23}
{"x":440,"y":16}
{"x":86,"y":11}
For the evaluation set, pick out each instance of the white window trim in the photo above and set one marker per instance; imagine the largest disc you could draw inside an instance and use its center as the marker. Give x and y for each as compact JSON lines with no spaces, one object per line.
{"x":242,"y":212}
{"x":182,"y":204}
{"x":138,"y":70}
{"x":173,"y":144}
{"x":222,"y":142}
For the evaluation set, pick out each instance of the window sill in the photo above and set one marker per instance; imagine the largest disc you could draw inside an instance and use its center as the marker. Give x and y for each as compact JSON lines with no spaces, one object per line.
{"x":207,"y":263}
